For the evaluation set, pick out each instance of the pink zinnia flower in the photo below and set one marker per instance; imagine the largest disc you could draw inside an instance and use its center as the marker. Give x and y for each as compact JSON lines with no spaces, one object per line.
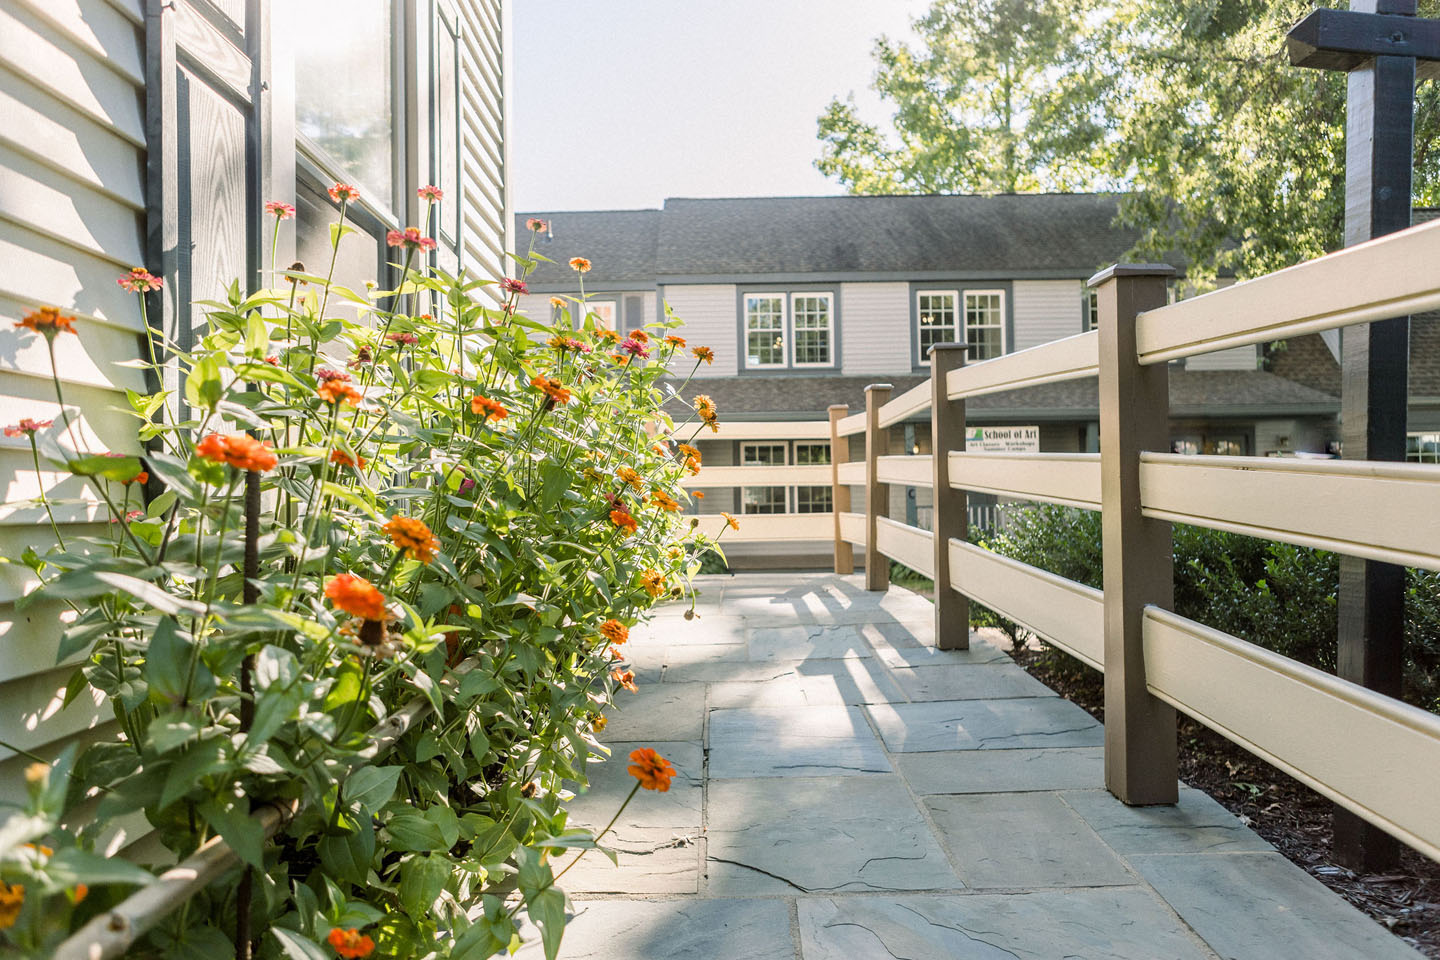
{"x":132,"y":515}
{"x":510,"y":285}
{"x":344,"y":193}
{"x":27,"y":427}
{"x":467,"y":485}
{"x":536,"y":225}
{"x":430,"y":192}
{"x":325,"y":374}
{"x":408,"y":339}
{"x":634,"y":347}
{"x":140,"y":280}
{"x":280,"y":211}
{"x":411,"y":238}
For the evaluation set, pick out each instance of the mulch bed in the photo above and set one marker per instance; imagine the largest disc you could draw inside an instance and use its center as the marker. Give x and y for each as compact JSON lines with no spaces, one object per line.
{"x":1291,"y":816}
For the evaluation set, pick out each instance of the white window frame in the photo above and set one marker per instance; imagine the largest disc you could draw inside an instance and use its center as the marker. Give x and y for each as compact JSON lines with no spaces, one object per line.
{"x":748,"y":446}
{"x":745,"y":330}
{"x":829,"y":328}
{"x":795,"y":498}
{"x":1092,"y":309}
{"x":784,"y":505}
{"x":614,"y":305}
{"x":965,"y":321}
{"x":957,"y":328}
{"x":1423,"y":439}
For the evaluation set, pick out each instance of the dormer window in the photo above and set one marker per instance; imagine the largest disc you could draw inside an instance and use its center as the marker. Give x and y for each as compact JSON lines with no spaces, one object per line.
{"x":788,"y":329}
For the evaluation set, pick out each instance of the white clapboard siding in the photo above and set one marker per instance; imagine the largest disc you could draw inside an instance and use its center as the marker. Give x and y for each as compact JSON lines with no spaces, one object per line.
{"x":874,"y":327}
{"x":1047,"y":310}
{"x":1236,"y":358}
{"x":485,"y":110}
{"x":72,"y":219}
{"x":709,"y":312}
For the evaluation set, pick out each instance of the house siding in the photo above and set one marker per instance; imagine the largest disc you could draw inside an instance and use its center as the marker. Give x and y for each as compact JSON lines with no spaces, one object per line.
{"x":1236,"y":358}
{"x":876,"y":327}
{"x":72,"y":219}
{"x":708,"y":311}
{"x":484,"y":159}
{"x":1046,"y":310}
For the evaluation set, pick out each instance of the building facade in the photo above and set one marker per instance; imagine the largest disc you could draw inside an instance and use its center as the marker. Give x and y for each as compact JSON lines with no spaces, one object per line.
{"x":150,"y":133}
{"x":805,"y":301}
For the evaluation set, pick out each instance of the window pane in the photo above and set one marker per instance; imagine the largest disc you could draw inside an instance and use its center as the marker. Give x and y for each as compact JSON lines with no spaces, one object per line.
{"x":1092,"y":310}
{"x":762,"y":499}
{"x":812,"y":499}
{"x":764,"y":331}
{"x":358,"y":257}
{"x":604,"y":311}
{"x":937,"y":321}
{"x":812,"y":453}
{"x":343,"y":88}
{"x":984,"y":325}
{"x":762,"y":454}
{"x":812,"y":329}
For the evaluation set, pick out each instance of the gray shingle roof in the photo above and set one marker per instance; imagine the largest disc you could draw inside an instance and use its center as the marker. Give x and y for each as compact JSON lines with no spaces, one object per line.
{"x":1192,"y":393}
{"x":1071,"y":234}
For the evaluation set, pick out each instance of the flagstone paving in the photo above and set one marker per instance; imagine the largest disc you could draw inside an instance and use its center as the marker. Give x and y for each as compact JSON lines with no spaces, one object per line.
{"x":847,"y":791}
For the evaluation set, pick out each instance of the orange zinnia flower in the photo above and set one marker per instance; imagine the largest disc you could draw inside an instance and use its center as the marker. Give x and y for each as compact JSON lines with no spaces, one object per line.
{"x":552,"y":389}
{"x":558,"y":303}
{"x":580,"y":264}
{"x":241,"y":451}
{"x":412,"y":537}
{"x":12,"y":898}
{"x":675,"y":341}
{"x":730,"y":521}
{"x":351,"y":943}
{"x":652,"y":770}
{"x":623,"y":520}
{"x":653,"y":582}
{"x":615,"y":631}
{"x":664,"y":501}
{"x":345,"y":460}
{"x":48,"y":322}
{"x":491,"y":409}
{"x":703,"y":353}
{"x":598,"y":724}
{"x":356,"y":596}
{"x":336,"y":390}
{"x":611,"y":336}
{"x":629,"y":476}
{"x":626,"y":679}
{"x":689,"y":452}
{"x":639,"y":336}
{"x":698,"y":494}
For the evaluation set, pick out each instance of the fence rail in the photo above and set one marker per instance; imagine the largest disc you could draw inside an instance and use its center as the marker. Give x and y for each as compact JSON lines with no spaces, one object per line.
{"x":1372,"y":754}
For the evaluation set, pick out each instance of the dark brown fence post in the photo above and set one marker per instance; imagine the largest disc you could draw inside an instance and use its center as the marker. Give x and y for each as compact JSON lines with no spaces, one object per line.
{"x":1140,"y":762}
{"x":877,"y":494}
{"x":948,"y":515}
{"x":839,"y":493}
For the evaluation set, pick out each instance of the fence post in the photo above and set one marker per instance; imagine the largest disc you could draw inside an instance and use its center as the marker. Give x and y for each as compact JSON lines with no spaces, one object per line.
{"x":949,"y":516}
{"x":877,"y":494}
{"x":840,"y":494}
{"x":1140,"y":749}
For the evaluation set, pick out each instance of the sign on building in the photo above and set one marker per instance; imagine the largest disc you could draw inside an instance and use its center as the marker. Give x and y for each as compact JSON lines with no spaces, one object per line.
{"x":1003,"y":439}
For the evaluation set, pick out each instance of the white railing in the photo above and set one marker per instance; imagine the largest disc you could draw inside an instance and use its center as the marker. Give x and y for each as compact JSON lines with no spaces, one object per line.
{"x":1371,"y":754}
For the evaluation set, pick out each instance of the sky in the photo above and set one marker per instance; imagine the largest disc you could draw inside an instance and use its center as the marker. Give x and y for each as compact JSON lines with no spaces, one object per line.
{"x":619,"y":104}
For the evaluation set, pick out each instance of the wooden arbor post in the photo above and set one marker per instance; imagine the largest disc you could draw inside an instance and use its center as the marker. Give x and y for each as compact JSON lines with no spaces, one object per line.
{"x":877,"y":494}
{"x":1140,"y":750}
{"x":1379,"y":44}
{"x":949,"y":513}
{"x":839,"y":493}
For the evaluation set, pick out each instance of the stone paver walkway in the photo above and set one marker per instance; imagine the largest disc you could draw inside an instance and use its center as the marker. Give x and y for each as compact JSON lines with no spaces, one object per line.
{"x":846,"y":791}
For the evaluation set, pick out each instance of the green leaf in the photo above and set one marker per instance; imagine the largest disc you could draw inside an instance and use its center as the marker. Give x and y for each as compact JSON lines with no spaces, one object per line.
{"x":444,"y":818}
{"x":337,"y":232}
{"x":372,"y":787}
{"x":554,"y":481}
{"x":275,"y":665}
{"x":111,"y":468}
{"x":411,"y":831}
{"x":174,"y":474}
{"x":273,"y":709}
{"x":257,"y":335}
{"x":348,"y":856}
{"x":203,"y":387}
{"x":145,"y":404}
{"x":157,"y":507}
{"x":297,"y":946}
{"x":547,"y":908}
{"x":71,"y":865}
{"x":346,"y":690}
{"x":421,"y":880}
{"x":85,"y":584}
{"x":78,"y":636}
{"x":239,"y":829}
{"x":185,"y":774}
{"x":167,"y":663}
{"x":171,"y":731}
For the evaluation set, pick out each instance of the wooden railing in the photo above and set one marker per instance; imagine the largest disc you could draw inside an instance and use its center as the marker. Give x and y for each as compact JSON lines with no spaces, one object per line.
{"x":1372,"y":754}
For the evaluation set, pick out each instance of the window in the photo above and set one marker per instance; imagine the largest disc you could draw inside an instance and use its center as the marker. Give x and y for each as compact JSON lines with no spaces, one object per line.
{"x":1423,"y":448}
{"x":812,"y":499}
{"x":765,"y":330}
{"x":762,"y":499}
{"x":811,"y":312}
{"x":349,"y":124}
{"x":1092,"y":310}
{"x":445,"y":108}
{"x":984,"y":324}
{"x":604,"y":311}
{"x":938,"y":319}
{"x":762,"y":454}
{"x":812,"y":453}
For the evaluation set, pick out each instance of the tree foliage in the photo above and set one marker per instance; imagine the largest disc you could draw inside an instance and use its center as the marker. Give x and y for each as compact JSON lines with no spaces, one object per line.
{"x":1225,"y":153}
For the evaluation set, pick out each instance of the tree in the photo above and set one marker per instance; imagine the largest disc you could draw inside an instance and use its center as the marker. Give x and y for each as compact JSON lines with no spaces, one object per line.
{"x":1224,"y":152}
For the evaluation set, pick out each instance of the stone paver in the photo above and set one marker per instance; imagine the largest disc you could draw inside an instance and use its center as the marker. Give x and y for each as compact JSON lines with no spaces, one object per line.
{"x":985,"y":725}
{"x":846,"y":791}
{"x":820,"y":835}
